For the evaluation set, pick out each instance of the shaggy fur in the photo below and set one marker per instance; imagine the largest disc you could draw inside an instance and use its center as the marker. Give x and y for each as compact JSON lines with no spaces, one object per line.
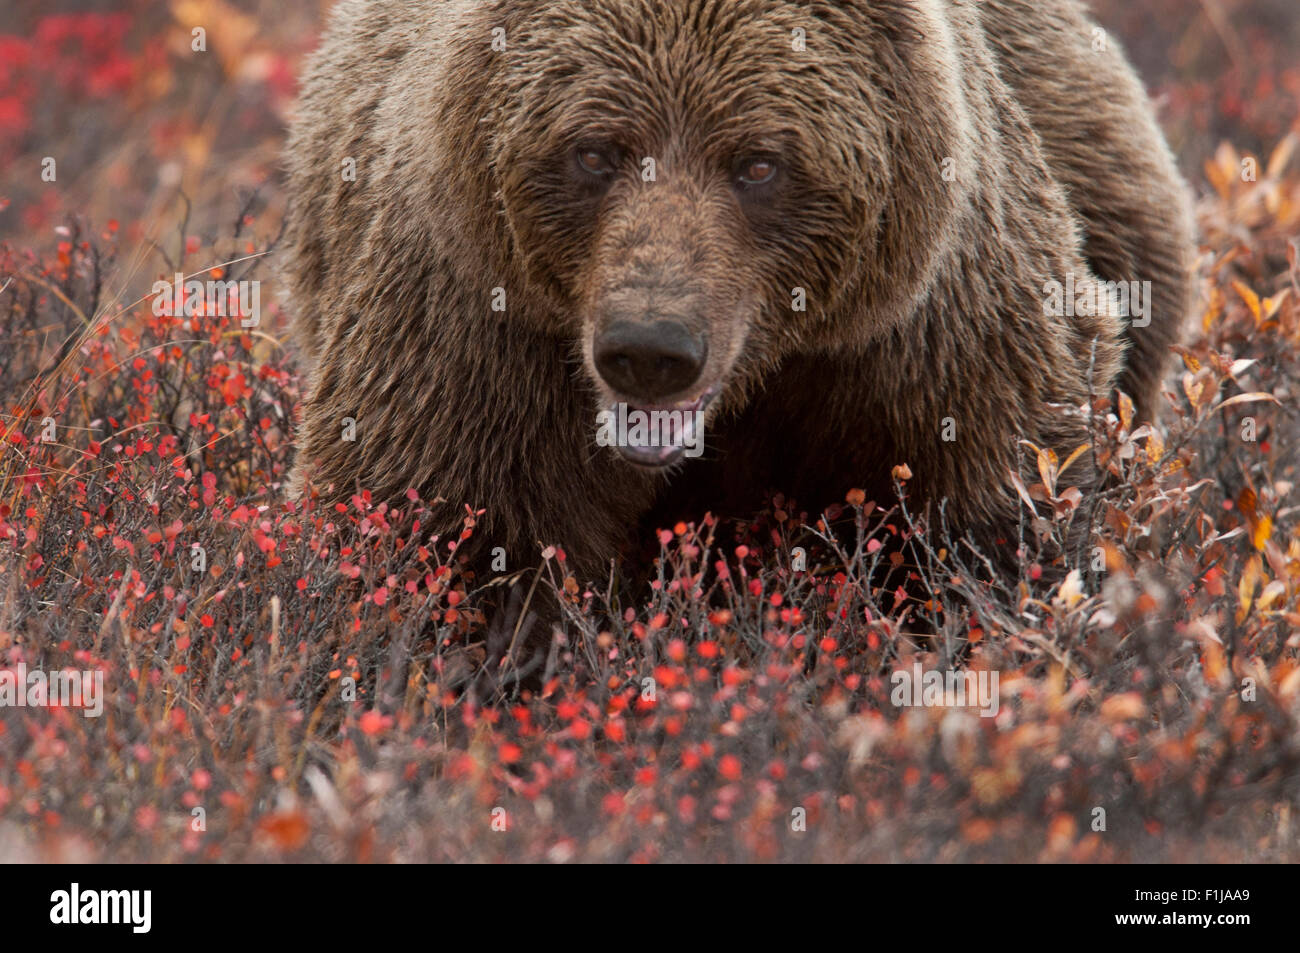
{"x":924,"y":296}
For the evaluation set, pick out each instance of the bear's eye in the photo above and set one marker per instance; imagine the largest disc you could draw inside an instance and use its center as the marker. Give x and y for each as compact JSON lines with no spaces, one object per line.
{"x":597,"y":162}
{"x":754,"y":172}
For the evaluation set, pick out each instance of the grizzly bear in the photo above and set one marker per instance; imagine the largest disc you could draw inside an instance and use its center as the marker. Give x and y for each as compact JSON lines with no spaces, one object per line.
{"x":815,"y":238}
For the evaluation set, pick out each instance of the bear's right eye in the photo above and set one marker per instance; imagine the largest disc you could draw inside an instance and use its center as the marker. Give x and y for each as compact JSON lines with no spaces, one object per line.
{"x":753,"y":172}
{"x":596,"y":162}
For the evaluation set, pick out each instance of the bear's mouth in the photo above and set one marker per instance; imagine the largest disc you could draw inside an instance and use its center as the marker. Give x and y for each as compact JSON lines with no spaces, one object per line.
{"x":656,"y":436}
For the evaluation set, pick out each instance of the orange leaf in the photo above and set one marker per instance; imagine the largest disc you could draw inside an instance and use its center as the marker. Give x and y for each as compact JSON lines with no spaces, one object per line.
{"x":288,"y":830}
{"x":1261,"y":532}
{"x":1020,"y":489}
{"x":1047,"y":469}
{"x":1251,"y":299}
{"x":1123,"y":707}
{"x":1078,"y":452}
{"x":1282,"y":155}
{"x":1212,"y":312}
{"x":1250,"y":579}
{"x":1274,"y":592}
{"x":1274,"y":304}
{"x":1125,"y":413}
{"x":1247,"y":398}
{"x":1155,"y":447}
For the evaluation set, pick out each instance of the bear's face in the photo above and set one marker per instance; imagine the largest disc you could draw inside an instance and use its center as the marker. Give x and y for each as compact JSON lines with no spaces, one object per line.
{"x":695,"y":185}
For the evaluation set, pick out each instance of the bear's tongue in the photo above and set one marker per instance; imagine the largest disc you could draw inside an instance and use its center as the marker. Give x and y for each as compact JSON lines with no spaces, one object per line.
{"x":664,"y":439}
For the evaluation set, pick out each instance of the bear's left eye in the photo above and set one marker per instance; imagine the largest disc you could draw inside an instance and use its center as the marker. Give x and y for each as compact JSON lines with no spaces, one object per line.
{"x":597,"y":162}
{"x":755,"y":171}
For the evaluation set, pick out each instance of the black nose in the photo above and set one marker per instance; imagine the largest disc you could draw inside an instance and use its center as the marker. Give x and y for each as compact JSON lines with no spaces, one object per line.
{"x":649,"y":359}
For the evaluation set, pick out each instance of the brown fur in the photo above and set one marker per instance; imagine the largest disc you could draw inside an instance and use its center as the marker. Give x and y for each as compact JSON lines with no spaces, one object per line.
{"x":924,"y":296}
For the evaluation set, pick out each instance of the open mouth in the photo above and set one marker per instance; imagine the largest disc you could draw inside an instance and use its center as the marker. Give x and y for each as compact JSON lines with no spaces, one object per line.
{"x":655,"y":436}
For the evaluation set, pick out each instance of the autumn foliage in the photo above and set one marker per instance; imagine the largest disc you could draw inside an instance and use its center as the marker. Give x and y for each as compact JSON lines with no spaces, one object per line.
{"x":302,"y":677}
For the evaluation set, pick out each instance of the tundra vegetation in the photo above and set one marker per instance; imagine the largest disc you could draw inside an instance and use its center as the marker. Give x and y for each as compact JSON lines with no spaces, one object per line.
{"x":285,"y":681}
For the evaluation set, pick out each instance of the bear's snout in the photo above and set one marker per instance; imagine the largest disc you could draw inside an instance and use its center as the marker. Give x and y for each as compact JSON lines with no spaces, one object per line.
{"x":649,"y":360}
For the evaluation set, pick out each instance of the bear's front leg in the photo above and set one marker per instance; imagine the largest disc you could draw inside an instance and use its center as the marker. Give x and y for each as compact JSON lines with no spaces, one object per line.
{"x":478,"y":416}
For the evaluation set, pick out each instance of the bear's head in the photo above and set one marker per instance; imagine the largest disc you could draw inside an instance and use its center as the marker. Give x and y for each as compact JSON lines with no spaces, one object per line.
{"x":699,"y":188}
